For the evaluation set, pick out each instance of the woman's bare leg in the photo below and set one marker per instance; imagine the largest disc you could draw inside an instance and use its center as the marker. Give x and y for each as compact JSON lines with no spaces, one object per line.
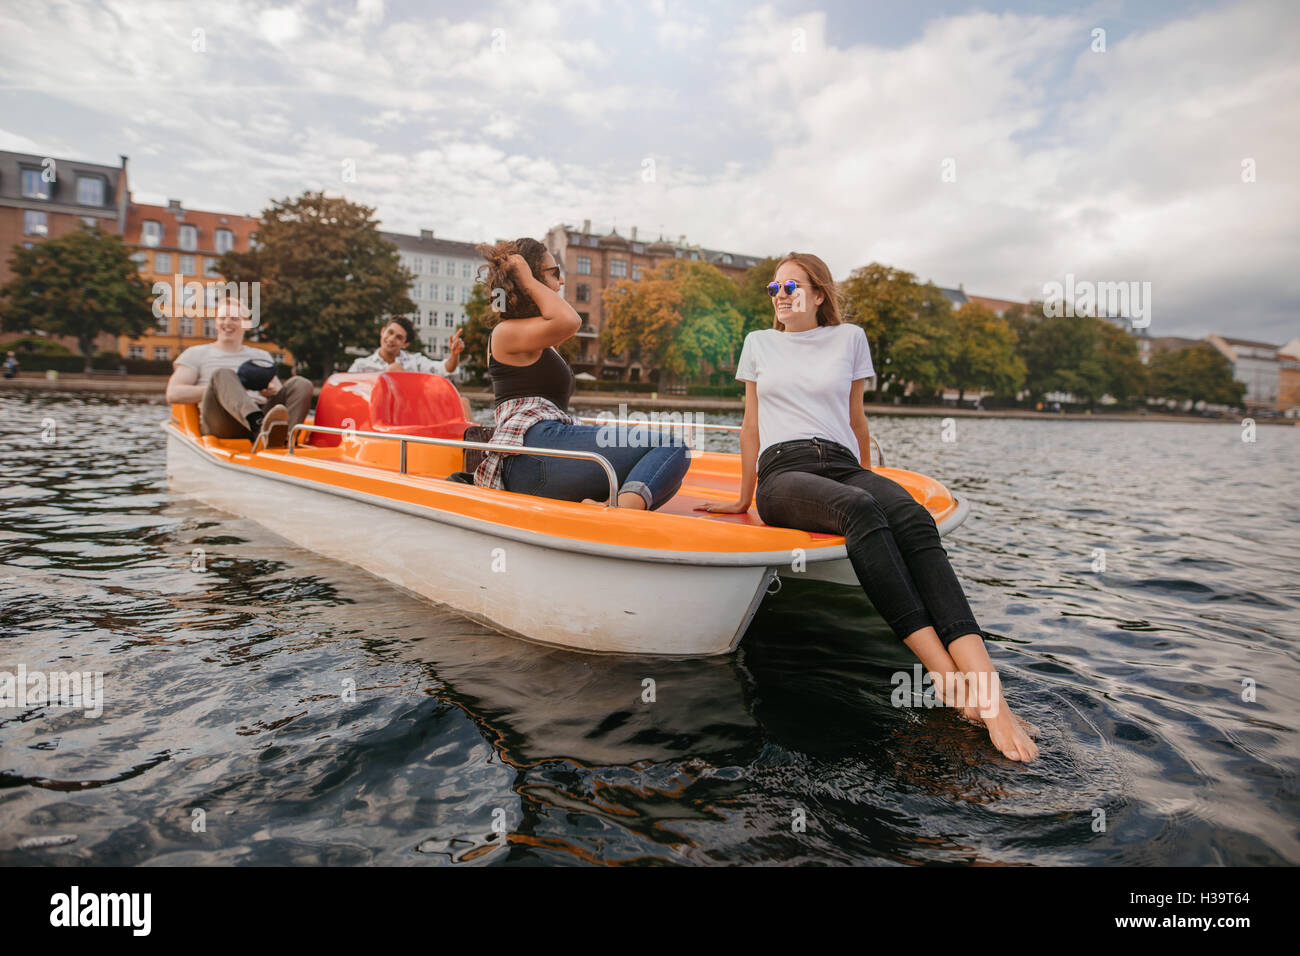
{"x":964,"y":658}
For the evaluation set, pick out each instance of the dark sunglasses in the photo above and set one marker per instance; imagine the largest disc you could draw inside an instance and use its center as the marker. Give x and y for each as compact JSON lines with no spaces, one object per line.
{"x":789,"y":285}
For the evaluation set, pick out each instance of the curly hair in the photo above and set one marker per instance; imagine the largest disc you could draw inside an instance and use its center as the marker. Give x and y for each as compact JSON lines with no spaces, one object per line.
{"x":518,"y":304}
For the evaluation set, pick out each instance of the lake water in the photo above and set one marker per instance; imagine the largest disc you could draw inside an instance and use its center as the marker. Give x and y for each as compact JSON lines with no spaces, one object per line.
{"x":276,"y":707}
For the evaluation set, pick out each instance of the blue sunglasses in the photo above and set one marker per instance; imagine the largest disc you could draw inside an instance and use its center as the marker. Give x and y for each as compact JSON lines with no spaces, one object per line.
{"x":789,"y":285}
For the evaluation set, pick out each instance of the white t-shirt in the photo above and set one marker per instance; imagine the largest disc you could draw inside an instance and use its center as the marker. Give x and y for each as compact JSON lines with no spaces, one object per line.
{"x":804,"y":380}
{"x":410,"y":362}
{"x":206,"y":359}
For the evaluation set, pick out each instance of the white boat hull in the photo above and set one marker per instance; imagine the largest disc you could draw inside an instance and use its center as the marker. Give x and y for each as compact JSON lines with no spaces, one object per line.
{"x":538,"y":592}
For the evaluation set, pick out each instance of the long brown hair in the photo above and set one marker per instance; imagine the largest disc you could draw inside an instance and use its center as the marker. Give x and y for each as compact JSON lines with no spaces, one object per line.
{"x":496,"y":275}
{"x":819,"y":274}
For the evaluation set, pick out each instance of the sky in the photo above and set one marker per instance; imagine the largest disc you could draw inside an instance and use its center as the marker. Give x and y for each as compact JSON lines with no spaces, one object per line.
{"x":996,"y":146}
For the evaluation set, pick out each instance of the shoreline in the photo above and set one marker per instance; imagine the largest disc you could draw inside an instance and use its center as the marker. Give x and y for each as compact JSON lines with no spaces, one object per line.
{"x":156,"y":384}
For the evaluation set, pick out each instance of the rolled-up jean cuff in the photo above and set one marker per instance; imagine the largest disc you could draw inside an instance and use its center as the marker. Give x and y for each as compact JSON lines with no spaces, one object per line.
{"x":910,"y":623}
{"x":958,"y":629}
{"x":641,"y":488}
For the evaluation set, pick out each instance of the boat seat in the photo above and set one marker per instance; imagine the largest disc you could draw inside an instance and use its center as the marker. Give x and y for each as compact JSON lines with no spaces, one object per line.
{"x":187,"y":417}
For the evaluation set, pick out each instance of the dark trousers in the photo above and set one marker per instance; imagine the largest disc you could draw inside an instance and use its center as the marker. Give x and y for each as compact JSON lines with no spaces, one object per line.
{"x":225,"y":407}
{"x":893,"y":543}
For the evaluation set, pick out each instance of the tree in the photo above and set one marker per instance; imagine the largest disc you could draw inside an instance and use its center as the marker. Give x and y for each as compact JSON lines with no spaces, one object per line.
{"x":986,"y":353}
{"x":752,"y":301}
{"x":474,"y":332}
{"x":1087,"y":357}
{"x":80,"y":285}
{"x":680,"y":315}
{"x":908,"y":324}
{"x":328,"y":278}
{"x":1198,"y":373}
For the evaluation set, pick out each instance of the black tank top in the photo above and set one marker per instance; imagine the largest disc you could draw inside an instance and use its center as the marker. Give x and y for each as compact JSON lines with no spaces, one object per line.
{"x":550,"y":377}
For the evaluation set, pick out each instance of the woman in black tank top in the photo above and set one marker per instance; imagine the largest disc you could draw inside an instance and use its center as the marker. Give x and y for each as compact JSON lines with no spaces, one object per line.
{"x":525,"y":283}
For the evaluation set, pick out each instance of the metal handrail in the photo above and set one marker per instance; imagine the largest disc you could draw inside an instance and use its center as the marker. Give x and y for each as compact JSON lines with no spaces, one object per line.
{"x":880,"y":451}
{"x":458,"y":443}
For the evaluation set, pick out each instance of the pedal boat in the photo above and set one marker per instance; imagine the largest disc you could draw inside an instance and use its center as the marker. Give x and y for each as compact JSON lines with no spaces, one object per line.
{"x":366,"y":482}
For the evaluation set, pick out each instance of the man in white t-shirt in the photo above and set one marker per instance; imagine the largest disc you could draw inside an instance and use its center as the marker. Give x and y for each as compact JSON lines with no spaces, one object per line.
{"x":207,"y":376}
{"x":397,"y":333}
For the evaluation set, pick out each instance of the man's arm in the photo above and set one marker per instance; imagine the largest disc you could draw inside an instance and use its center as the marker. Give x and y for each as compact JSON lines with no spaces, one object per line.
{"x":181,"y":387}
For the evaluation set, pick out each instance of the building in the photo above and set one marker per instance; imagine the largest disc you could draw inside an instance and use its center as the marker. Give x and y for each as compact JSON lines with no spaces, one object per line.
{"x":592,"y":260}
{"x":997,"y":306}
{"x":1288,"y":378}
{"x":1254,"y":364}
{"x":42,"y":197}
{"x":1149,"y":346}
{"x":178,"y":245}
{"x":445,"y":272}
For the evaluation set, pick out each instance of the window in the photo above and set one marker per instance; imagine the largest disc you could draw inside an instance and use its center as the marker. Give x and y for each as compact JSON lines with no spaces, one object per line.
{"x":90,"y":190}
{"x":161,"y":353}
{"x":638,"y":247}
{"x":618,"y":267}
{"x":450,"y":295}
{"x":190,"y":295}
{"x":695,"y":256}
{"x":584,"y":292}
{"x":417,"y":264}
{"x":135,"y":351}
{"x":164,"y":326}
{"x":449,"y":320}
{"x":210,"y":266}
{"x":151,"y":233}
{"x":189,"y":237}
{"x":34,"y":185}
{"x":433,"y":267}
{"x":433,"y":291}
{"x":209,"y":328}
{"x":224,"y":241}
{"x":636,"y":273}
{"x":417,"y":291}
{"x":466,"y":272}
{"x":726,"y":258}
{"x":451,"y":269}
{"x":584,"y":265}
{"x":90,"y":222}
{"x":464,"y":294}
{"x":35,"y":223}
{"x":187,"y":323}
{"x":187,"y":265}
{"x":162,"y":262}
{"x":141,"y":260}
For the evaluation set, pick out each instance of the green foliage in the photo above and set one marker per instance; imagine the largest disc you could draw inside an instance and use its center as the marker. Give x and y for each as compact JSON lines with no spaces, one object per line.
{"x":680,"y":316}
{"x":80,"y":285}
{"x":1086,"y":357}
{"x":1196,"y":373}
{"x":986,"y":353}
{"x":328,"y":277}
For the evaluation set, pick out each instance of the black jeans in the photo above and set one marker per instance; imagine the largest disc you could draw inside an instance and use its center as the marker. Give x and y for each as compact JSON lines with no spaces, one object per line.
{"x":818,"y":485}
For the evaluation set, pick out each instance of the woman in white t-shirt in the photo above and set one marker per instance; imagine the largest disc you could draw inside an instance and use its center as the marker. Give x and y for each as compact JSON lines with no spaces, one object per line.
{"x":805,"y":444}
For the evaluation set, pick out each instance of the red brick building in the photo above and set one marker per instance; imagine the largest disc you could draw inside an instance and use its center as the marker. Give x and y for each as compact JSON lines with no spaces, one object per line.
{"x":175,"y":244}
{"x":43,"y":197}
{"x":591,"y":261}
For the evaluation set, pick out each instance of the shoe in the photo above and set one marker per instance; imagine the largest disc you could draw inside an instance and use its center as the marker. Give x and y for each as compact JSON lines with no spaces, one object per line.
{"x":275,"y":428}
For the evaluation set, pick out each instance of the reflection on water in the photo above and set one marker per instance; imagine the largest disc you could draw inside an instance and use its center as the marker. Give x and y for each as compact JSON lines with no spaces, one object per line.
{"x":264,"y":705}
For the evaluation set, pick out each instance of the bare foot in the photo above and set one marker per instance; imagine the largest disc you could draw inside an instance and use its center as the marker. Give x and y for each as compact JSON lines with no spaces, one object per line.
{"x":973,"y":715}
{"x":1010,"y":735}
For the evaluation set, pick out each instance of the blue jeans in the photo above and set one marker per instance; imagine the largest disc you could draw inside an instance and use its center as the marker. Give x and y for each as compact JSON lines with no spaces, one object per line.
{"x":648,"y":461}
{"x":893,"y":544}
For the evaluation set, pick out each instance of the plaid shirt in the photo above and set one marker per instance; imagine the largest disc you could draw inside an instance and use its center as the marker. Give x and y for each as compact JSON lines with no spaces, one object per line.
{"x":514,"y":417}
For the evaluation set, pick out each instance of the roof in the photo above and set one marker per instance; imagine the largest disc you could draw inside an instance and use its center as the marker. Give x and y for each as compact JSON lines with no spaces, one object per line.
{"x":1248,"y":343}
{"x":997,"y":305}
{"x":717,"y":257}
{"x":955,"y":296}
{"x":433,"y":246}
{"x":172,"y":217}
{"x":63,"y":190}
